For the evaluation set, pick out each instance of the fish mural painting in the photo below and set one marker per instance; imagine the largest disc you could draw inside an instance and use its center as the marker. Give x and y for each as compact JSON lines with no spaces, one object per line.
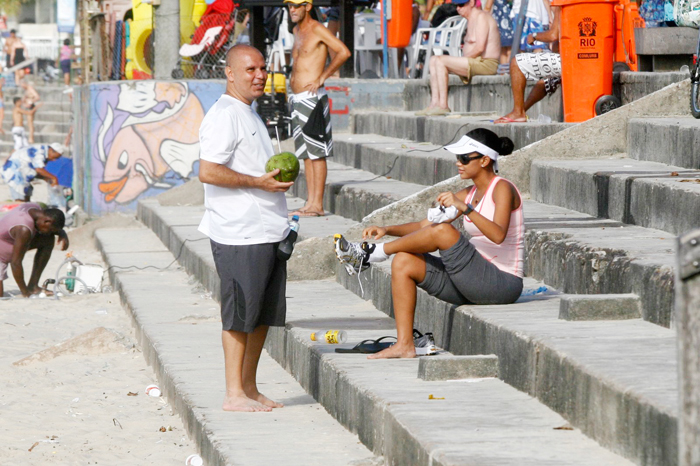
{"x":145,"y":138}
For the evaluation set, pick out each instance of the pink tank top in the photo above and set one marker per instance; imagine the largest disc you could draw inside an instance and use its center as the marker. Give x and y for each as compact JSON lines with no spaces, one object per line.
{"x":509,"y":255}
{"x":17,"y":216}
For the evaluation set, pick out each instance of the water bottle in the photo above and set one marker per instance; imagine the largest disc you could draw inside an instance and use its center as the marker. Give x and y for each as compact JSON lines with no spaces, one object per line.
{"x":70,"y":272}
{"x":546,"y":119}
{"x":286,"y":246}
{"x":329,"y":337}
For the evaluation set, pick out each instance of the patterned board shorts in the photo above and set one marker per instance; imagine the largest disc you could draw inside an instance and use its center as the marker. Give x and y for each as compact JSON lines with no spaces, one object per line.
{"x":545,"y":66}
{"x":311,"y":120}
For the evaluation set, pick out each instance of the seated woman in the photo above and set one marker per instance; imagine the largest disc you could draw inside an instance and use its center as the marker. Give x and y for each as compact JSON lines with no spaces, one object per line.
{"x":486,"y":269}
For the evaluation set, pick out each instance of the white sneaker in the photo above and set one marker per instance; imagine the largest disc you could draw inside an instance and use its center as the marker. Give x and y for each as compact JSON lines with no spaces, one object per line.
{"x":425,"y":344}
{"x":351,"y":255}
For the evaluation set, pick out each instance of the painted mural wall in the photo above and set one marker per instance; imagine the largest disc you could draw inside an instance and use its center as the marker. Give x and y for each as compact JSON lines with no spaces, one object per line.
{"x":136,"y":139}
{"x":144,"y":139}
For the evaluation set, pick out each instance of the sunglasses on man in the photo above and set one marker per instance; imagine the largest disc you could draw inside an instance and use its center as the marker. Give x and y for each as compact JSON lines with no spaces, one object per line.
{"x":466,"y":158}
{"x":296,"y":5}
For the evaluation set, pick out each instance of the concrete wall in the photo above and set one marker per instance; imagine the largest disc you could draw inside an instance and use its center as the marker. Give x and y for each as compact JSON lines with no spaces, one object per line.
{"x":136,"y":139}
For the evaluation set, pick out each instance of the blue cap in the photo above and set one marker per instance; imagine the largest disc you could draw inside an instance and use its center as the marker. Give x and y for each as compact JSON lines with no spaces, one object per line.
{"x":295,"y":218}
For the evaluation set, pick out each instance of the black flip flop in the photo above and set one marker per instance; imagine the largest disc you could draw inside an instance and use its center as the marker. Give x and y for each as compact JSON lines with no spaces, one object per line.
{"x":368,"y":346}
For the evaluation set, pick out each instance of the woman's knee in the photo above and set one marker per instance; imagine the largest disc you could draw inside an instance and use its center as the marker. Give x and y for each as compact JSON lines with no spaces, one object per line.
{"x":445,"y":235}
{"x":407,"y":264}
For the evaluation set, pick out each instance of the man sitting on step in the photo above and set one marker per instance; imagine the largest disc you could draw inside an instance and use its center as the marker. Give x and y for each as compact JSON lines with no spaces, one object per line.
{"x":480,"y":54}
{"x":544,"y":66}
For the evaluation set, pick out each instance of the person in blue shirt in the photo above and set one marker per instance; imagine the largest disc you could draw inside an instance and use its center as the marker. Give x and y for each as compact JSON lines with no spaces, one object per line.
{"x":28,"y":163}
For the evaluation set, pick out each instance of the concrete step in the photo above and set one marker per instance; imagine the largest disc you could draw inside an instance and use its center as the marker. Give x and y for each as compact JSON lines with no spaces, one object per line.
{"x":43,"y":125}
{"x":493,"y":93}
{"x":398,"y":159}
{"x":599,"y":256}
{"x":483,"y":94}
{"x":178,"y":327}
{"x":52,"y":116}
{"x":354,"y":193}
{"x":48,"y":93}
{"x":65,"y":105}
{"x":614,"y":380}
{"x":443,"y":130}
{"x":673,"y":141}
{"x":176,"y":226}
{"x":390,"y":408}
{"x":582,"y":254}
{"x":39,"y":137}
{"x":648,"y":194}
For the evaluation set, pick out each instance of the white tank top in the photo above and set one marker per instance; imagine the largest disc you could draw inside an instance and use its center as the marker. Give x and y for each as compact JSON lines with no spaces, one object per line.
{"x":509,"y":255}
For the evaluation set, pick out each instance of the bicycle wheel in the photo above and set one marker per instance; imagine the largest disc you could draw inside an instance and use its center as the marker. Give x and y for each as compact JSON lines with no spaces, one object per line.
{"x":695,"y":91}
{"x":694,"y":104}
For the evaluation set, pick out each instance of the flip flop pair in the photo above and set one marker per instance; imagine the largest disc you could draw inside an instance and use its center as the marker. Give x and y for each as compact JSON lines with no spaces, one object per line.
{"x":369,"y":346}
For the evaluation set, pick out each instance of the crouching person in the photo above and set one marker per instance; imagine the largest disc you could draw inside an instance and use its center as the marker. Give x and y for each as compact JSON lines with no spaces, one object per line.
{"x":26,"y":227}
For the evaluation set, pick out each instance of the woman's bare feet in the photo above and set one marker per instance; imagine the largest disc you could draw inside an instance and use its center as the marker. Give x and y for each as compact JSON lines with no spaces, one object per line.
{"x":395,"y":351}
{"x":244,"y":404}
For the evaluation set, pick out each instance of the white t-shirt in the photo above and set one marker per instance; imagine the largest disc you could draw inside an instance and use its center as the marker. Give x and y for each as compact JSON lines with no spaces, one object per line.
{"x":233,"y":135}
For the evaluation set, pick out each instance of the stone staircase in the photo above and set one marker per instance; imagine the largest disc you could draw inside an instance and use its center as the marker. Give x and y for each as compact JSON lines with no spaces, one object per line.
{"x":52,"y":120}
{"x":603,"y":225}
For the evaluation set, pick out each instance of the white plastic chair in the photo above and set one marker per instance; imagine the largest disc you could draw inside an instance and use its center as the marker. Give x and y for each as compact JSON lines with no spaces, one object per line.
{"x":368,"y":43}
{"x":277,"y":59}
{"x":368,"y":46}
{"x":190,"y":50}
{"x":446,"y":38}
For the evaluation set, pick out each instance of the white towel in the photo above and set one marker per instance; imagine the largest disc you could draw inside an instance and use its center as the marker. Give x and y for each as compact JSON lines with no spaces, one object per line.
{"x":442,"y":214}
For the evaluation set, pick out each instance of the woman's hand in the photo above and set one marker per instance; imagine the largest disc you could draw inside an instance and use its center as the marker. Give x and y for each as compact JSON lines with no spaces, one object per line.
{"x":448,"y":199}
{"x":373,"y":232}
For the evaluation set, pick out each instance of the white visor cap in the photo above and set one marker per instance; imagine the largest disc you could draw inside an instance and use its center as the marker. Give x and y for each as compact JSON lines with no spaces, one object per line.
{"x":467,"y":145}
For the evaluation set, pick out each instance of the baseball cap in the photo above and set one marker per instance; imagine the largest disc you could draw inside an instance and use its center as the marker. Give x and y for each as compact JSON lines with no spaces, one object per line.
{"x":299,"y":2}
{"x":460,"y":2}
{"x":58,"y":147}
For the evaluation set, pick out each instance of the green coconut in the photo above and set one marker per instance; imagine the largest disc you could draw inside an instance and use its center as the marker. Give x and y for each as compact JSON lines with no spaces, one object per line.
{"x":288,"y":165}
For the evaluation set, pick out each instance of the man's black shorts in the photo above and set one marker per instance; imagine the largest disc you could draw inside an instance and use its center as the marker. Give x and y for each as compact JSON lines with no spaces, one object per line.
{"x":253,"y":285}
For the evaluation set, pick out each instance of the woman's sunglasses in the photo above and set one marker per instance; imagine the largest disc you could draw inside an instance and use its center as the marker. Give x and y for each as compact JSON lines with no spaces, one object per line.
{"x":465,"y":158}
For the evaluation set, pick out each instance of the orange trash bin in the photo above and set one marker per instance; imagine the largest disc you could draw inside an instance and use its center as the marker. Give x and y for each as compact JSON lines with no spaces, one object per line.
{"x":626,"y":20}
{"x":587,"y":47}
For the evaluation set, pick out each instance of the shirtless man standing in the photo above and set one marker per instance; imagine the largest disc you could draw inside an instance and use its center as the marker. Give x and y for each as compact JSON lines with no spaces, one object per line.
{"x":19,"y":134}
{"x":311,"y":116}
{"x":480,"y":54}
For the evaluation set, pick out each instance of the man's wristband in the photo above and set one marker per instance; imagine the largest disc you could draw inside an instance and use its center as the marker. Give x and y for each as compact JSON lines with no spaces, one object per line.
{"x":534,"y":36}
{"x":470,"y":209}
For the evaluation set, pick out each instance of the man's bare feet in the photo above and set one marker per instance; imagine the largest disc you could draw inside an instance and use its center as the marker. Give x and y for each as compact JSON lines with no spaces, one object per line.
{"x":512,"y":117}
{"x":262,"y":399}
{"x":395,"y":351}
{"x":244,"y":404}
{"x":309,"y":211}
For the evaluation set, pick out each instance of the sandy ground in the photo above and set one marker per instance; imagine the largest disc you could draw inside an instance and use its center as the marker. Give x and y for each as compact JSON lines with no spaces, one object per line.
{"x":79,"y":397}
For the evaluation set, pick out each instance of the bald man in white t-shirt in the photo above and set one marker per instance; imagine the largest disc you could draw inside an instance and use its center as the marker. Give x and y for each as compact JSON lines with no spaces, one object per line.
{"x":245,"y":219}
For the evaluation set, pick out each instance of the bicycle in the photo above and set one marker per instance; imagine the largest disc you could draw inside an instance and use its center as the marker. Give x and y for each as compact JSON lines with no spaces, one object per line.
{"x":695,"y":83}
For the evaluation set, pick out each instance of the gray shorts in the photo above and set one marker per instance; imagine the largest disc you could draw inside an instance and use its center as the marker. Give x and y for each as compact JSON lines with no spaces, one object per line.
{"x":462,"y":276}
{"x":253,"y":286}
